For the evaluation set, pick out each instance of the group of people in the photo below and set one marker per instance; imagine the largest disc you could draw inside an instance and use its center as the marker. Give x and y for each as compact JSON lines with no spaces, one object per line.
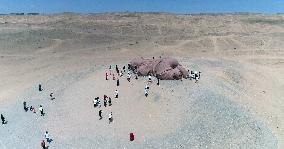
{"x":107,"y":102}
{"x":194,"y":75}
{"x":32,"y":109}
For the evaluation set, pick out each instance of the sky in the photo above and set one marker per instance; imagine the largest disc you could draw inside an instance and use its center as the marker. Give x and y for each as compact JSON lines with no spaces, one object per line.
{"x":173,"y":6}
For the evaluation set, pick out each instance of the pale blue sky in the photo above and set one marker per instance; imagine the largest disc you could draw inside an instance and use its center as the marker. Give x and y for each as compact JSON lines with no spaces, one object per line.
{"x":175,"y":6}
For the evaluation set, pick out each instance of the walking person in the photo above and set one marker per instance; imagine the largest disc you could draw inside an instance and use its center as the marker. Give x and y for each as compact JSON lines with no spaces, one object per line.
{"x":128,"y":77}
{"x":105,"y":102}
{"x":39,"y":87}
{"x":109,"y":69}
{"x":3,"y":119}
{"x":116,"y":68}
{"x":158,"y":83}
{"x":109,"y":101}
{"x":46,"y":135}
{"x":110,"y":117}
{"x":51,"y":96}
{"x":116,"y":93}
{"x":100,"y":114}
{"x":42,"y":144}
{"x":113,"y":77}
{"x":146,"y":92}
{"x":106,"y":76}
{"x":41,"y":110}
{"x":117,"y":82}
{"x":25,"y":106}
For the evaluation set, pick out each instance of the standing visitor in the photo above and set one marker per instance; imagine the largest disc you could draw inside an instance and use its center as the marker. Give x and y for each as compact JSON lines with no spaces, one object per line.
{"x":46,"y":135}
{"x":110,"y":117}
{"x":128,"y":77}
{"x":113,"y":77}
{"x":109,"y":69}
{"x":116,"y":93}
{"x":116,"y":68}
{"x":106,"y":76}
{"x":146,"y":92}
{"x":117,"y":82}
{"x":42,"y":144}
{"x":158,"y":83}
{"x":41,"y":110}
{"x":100,"y":114}
{"x":109,"y":101}
{"x":25,"y":106}
{"x":3,"y":119}
{"x":105,"y":102}
{"x":39,"y":87}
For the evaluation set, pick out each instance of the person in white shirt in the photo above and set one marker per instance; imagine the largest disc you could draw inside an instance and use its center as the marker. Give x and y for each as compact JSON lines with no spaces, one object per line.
{"x":41,"y":110}
{"x":146,"y":92}
{"x":149,"y":79}
{"x":46,"y":135}
{"x":110,"y":117}
{"x":128,"y":77}
{"x":116,"y":93}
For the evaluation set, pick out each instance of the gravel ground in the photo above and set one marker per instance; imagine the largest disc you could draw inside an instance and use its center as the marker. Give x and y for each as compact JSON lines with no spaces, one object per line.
{"x":207,"y":118}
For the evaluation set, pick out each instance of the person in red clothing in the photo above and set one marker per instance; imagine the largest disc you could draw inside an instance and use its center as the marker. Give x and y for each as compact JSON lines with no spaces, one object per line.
{"x":43,"y":144}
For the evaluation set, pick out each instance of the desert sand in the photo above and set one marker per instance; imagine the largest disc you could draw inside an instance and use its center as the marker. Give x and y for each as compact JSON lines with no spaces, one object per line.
{"x":237,"y":103}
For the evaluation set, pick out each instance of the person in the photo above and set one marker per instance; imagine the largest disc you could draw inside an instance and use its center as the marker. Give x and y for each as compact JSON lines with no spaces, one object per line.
{"x":95,"y":101}
{"x":41,"y":110}
{"x":128,"y":77}
{"x":120,"y":73}
{"x":99,"y":104}
{"x":25,"y":106}
{"x":117,"y":82}
{"x":110,"y":117}
{"x":39,"y":87}
{"x":46,"y":135}
{"x":51,"y":96}
{"x":136,"y":76}
{"x":123,"y":68}
{"x":158,"y":83}
{"x":109,"y":69}
{"x":146,"y":92}
{"x":128,"y":66}
{"x":116,"y":93}
{"x":100,"y":114}
{"x":106,"y":76}
{"x":149,"y":79}
{"x":105,"y":102}
{"x":147,"y":87}
{"x":109,"y":101}
{"x":113,"y":77}
{"x":116,"y":68}
{"x":3,"y":119}
{"x":42,"y":144}
{"x":32,"y":109}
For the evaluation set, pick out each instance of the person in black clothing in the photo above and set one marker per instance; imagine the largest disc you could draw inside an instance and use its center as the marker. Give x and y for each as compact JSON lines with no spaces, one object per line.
{"x":109,"y":101}
{"x":117,"y":82}
{"x":25,"y":106}
{"x":39,"y":87}
{"x":3,"y":119}
{"x":158,"y":83}
{"x":116,"y":68}
{"x":123,"y":69}
{"x":100,"y":114}
{"x":105,"y":102}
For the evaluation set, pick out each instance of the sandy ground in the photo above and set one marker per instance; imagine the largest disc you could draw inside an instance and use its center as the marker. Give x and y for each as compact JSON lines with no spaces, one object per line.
{"x":238,"y":102}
